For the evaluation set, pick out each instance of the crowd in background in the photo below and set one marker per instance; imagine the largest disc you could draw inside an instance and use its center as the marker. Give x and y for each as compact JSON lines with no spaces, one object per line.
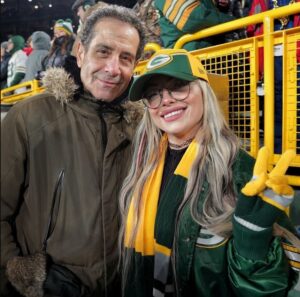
{"x":23,"y":60}
{"x":165,"y":23}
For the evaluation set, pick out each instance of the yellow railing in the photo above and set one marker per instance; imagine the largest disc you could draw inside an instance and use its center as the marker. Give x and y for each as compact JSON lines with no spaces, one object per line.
{"x":21,"y":91}
{"x":239,"y":61}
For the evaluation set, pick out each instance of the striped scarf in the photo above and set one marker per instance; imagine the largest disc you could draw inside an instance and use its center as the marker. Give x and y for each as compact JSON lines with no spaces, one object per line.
{"x":155,"y":230}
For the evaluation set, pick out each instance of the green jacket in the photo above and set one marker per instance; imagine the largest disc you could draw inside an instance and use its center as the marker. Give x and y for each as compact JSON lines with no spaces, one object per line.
{"x":178,"y":18}
{"x":206,"y":269}
{"x":40,"y":137}
{"x":208,"y":265}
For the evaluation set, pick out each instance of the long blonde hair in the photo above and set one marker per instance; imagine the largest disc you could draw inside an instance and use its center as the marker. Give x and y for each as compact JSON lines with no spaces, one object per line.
{"x":218,"y":148}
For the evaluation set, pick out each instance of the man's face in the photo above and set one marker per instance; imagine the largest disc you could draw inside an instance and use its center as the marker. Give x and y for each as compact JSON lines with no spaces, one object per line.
{"x":10,"y":45}
{"x":108,"y":62}
{"x":2,"y":52}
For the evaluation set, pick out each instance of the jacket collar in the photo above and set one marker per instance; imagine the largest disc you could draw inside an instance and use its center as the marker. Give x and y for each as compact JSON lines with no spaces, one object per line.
{"x":66,"y":87}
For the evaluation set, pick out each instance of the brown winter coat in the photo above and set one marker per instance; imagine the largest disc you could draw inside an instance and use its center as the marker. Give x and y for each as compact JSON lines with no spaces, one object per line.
{"x":41,"y":137}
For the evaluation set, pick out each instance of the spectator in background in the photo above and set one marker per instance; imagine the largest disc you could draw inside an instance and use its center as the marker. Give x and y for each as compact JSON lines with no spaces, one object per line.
{"x":125,"y":3}
{"x":17,"y":64}
{"x":79,"y":8}
{"x":28,"y":48}
{"x":40,"y":43}
{"x":5,"y":56}
{"x":233,"y":8}
{"x":88,"y":11}
{"x":189,"y":17}
{"x":148,"y":14}
{"x":61,"y":45}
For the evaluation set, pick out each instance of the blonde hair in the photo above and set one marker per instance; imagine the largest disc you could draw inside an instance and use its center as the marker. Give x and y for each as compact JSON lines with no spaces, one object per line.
{"x":218,"y":149}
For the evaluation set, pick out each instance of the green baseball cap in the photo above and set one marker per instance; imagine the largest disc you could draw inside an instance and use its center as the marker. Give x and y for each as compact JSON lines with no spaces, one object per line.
{"x":177,"y":63}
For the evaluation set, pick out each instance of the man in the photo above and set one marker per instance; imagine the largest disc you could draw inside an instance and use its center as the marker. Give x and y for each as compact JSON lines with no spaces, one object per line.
{"x":4,"y":59}
{"x":63,"y":158}
{"x":17,"y":63}
{"x":40,"y":43}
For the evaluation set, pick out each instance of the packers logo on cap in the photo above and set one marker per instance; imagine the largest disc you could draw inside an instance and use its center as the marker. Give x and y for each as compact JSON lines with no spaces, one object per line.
{"x":159,"y":61}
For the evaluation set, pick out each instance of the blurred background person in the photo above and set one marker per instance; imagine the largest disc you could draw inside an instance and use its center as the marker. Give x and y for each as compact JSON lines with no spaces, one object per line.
{"x":17,"y":63}
{"x":61,"y":45}
{"x":28,"y":48}
{"x":79,"y":8}
{"x":187,"y":18}
{"x":5,"y":56}
{"x":149,"y":15}
{"x":40,"y":43}
{"x":88,"y":10}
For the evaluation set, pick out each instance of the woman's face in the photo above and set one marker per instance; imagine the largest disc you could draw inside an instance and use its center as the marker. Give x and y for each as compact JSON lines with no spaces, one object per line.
{"x":58,"y":33}
{"x":180,"y":118}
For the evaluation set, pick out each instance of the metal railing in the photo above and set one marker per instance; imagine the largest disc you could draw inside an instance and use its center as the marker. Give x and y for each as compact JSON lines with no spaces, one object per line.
{"x":21,"y":91}
{"x":239,"y":61}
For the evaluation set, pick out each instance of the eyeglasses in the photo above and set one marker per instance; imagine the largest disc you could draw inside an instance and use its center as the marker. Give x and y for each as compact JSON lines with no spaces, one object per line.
{"x":178,"y":89}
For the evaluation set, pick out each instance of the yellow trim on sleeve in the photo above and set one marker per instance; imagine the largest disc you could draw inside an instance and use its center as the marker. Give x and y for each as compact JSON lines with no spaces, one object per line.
{"x":166,"y":6}
{"x":290,"y":248}
{"x":186,"y":14}
{"x":175,"y":10}
{"x":295,"y":264}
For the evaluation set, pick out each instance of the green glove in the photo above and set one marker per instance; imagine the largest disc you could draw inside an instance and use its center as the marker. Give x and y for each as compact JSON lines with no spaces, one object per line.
{"x":263,"y":200}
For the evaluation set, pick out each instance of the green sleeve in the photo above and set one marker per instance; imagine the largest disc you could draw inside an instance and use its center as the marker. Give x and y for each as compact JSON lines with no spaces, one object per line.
{"x":203,"y":15}
{"x":17,"y":78}
{"x":260,"y":278}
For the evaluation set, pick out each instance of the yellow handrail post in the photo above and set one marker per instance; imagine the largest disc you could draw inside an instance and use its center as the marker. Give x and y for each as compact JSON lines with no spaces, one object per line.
{"x":269,"y":83}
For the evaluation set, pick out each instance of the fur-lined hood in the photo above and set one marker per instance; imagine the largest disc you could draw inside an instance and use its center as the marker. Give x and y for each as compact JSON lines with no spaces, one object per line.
{"x":61,"y":84}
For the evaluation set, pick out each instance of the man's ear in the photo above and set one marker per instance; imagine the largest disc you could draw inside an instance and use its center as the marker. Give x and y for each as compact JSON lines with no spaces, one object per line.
{"x":80,"y":54}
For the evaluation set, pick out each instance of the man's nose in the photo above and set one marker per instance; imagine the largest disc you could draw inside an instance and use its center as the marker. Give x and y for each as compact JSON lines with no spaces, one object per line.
{"x":113,"y":66}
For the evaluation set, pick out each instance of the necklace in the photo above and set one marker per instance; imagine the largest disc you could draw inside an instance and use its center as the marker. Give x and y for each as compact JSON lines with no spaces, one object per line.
{"x":183,"y":145}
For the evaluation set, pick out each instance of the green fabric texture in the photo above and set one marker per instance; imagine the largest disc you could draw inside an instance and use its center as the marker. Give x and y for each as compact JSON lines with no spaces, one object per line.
{"x":203,"y":16}
{"x":215,"y":270}
{"x":19,"y":43}
{"x":17,"y":78}
{"x":243,"y":272}
{"x":251,"y":243}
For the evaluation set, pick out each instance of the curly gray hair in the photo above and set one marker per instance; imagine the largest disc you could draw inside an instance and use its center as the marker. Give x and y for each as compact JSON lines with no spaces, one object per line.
{"x":120,"y":13}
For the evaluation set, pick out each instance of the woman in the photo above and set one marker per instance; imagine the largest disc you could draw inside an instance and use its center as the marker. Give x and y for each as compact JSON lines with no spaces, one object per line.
{"x":188,"y":229}
{"x":61,"y":45}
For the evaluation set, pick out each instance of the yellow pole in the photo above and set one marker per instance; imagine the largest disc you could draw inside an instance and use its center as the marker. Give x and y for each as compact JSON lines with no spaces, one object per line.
{"x":269,"y":83}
